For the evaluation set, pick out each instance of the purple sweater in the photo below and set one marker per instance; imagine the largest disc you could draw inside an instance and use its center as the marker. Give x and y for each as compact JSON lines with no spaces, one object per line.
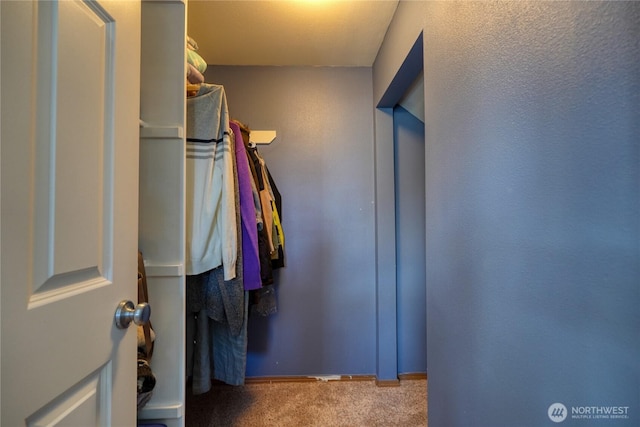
{"x":250,"y":257}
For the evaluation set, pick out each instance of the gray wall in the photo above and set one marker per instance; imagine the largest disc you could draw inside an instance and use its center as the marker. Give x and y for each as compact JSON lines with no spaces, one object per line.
{"x":532,"y":128}
{"x":410,"y":242}
{"x":322,"y":162}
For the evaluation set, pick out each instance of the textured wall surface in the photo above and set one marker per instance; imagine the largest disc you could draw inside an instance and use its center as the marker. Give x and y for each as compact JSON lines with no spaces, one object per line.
{"x":532,"y":124}
{"x":410,"y":242}
{"x":322,"y":161}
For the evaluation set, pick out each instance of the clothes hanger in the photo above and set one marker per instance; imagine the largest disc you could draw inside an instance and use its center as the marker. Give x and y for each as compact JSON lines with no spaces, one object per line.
{"x":192,"y":89}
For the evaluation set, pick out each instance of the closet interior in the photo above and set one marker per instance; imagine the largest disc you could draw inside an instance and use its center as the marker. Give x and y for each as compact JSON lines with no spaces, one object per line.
{"x":186,"y":129}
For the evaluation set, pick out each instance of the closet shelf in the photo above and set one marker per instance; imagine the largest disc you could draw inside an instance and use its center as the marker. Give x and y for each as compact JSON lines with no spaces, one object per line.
{"x":160,"y":132}
{"x":164,"y":270}
{"x":161,"y":411}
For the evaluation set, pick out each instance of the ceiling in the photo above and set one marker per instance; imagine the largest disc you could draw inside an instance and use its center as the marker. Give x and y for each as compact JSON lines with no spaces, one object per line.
{"x":346,"y":33}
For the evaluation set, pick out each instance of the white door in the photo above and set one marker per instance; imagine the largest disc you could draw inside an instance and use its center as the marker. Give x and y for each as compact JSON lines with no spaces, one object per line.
{"x":69,"y":196}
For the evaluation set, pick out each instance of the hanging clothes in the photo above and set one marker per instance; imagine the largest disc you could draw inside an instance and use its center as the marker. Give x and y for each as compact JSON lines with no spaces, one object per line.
{"x":217,"y":304}
{"x":250,"y":251}
{"x":210,"y":206}
{"x":277,"y":261}
{"x":263,"y":301}
{"x":217,"y":314}
{"x":270,"y":205}
{"x":266,"y":271}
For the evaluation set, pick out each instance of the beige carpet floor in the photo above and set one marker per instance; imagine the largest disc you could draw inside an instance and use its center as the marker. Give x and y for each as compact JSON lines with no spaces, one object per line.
{"x":317,"y":403}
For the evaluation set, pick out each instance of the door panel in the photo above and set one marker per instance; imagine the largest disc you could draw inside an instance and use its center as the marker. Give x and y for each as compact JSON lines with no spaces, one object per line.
{"x":82,"y":141}
{"x":73,"y":218}
{"x":69,"y":159}
{"x":85,"y":401}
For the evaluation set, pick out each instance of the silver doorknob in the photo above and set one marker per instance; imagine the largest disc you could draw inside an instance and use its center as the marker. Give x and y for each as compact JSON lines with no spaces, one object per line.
{"x":127,"y":312}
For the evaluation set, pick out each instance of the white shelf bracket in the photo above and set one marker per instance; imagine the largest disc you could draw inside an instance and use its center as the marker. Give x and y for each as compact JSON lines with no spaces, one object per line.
{"x":262,"y":136}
